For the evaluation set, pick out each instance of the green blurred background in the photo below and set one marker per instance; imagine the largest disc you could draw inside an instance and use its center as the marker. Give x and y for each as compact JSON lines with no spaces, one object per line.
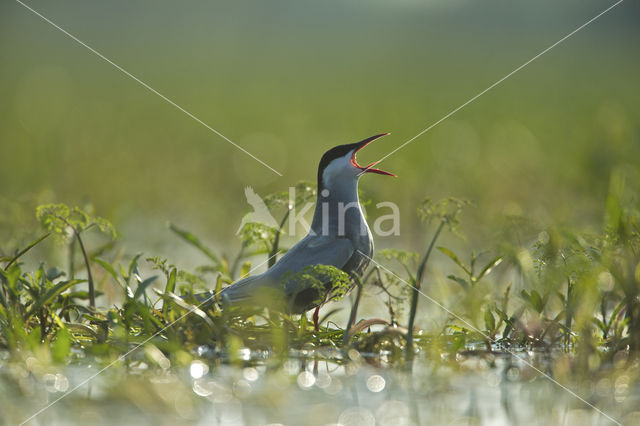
{"x":289,"y":80}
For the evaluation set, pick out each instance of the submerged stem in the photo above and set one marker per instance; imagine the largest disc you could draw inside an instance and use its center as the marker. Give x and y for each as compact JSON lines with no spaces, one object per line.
{"x":72,"y":266}
{"x":416,"y":291}
{"x":276,"y":241}
{"x":92,"y":295}
{"x":354,"y":312}
{"x":569,"y":314}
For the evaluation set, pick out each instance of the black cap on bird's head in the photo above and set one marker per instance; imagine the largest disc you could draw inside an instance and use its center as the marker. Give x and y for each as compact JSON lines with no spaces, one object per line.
{"x":341,"y":151}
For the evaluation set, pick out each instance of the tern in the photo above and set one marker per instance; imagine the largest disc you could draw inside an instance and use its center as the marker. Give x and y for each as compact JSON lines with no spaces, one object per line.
{"x":339,"y":236}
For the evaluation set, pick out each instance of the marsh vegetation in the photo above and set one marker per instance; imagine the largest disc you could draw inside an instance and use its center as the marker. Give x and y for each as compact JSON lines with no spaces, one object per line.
{"x":519,"y":306}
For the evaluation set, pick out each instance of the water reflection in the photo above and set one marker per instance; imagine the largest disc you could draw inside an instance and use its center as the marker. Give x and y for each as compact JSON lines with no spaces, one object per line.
{"x":341,"y":389}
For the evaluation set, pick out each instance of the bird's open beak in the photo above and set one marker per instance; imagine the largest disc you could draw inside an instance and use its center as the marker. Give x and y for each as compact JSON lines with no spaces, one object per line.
{"x":369,"y":168}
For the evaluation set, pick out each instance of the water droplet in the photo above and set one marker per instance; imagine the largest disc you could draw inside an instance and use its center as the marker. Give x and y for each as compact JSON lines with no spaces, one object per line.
{"x":62,"y":383}
{"x":306,"y":380}
{"x":323,"y":380}
{"x":250,"y":374}
{"x":201,"y":388}
{"x":198,"y":369}
{"x":376,"y":383}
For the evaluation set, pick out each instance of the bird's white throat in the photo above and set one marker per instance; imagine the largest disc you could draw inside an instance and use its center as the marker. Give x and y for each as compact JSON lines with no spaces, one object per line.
{"x":341,"y":175}
{"x":338,"y":210}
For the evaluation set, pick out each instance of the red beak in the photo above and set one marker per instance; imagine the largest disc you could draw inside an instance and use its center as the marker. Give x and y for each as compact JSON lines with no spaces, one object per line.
{"x":369,"y":168}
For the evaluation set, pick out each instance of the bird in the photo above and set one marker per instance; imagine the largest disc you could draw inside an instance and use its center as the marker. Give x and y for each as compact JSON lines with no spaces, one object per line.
{"x":260,"y":211}
{"x":338,"y":236}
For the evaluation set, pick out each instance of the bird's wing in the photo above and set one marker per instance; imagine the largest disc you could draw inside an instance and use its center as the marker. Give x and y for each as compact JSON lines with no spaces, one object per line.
{"x":246,"y":288}
{"x":302,"y":294}
{"x":315,"y":250}
{"x":311,"y":250}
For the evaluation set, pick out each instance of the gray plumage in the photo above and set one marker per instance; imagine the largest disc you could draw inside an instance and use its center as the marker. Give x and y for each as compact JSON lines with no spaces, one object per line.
{"x":339,"y":236}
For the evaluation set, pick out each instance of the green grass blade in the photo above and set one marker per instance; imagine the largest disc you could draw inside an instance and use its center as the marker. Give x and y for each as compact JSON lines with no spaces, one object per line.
{"x":170,"y":288}
{"x":107,"y":267}
{"x":51,"y":294}
{"x":193,"y":309}
{"x":489,"y":267}
{"x":142,"y":287}
{"x":195,"y":242}
{"x":26,"y":249}
{"x":451,"y":255}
